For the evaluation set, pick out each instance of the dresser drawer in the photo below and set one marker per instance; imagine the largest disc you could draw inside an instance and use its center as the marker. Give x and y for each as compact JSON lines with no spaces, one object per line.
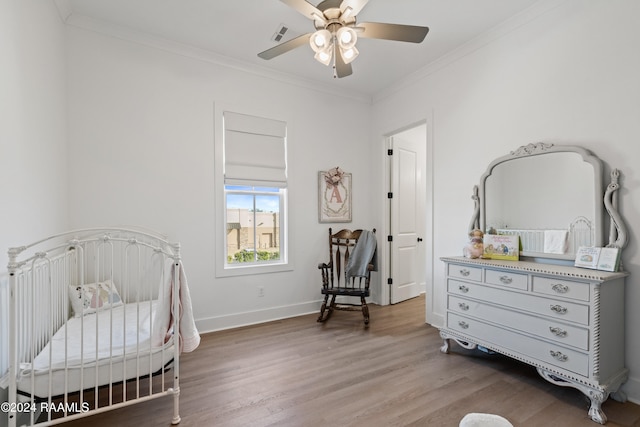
{"x":553,"y":354}
{"x":465,"y":272}
{"x":549,"y":329}
{"x":463,"y":288}
{"x":563,"y":288}
{"x":508,"y":279}
{"x":541,"y":305}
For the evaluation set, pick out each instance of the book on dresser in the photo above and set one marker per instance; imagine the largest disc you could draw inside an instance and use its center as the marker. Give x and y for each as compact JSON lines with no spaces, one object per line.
{"x":606,"y":259}
{"x":498,"y":246}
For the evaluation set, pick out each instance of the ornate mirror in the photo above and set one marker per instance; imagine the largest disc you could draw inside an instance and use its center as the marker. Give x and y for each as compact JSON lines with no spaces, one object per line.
{"x":552,"y":197}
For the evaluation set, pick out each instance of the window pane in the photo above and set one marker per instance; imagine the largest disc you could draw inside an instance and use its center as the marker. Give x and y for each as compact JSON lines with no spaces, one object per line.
{"x":268,"y":227}
{"x":253,"y":227}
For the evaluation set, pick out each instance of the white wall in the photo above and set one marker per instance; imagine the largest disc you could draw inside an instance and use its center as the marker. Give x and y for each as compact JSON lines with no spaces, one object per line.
{"x":568,"y":75}
{"x":142,"y":153}
{"x":32,"y":134}
{"x":34,"y":119}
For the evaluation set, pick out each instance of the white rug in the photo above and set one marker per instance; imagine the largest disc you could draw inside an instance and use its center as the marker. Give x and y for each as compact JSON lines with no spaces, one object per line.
{"x":484,"y":420}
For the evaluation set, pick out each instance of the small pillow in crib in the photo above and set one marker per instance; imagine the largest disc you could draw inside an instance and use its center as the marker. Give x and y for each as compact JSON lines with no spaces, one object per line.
{"x":92,"y":297}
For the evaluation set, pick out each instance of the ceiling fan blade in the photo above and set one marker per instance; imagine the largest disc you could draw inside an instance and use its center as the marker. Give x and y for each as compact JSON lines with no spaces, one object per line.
{"x":285,"y":47}
{"x":355,"y":7}
{"x":398,"y":32}
{"x":306,"y":8}
{"x":342,"y":69}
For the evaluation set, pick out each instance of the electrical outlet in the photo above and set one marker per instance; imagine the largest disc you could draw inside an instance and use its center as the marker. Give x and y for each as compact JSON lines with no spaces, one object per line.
{"x":260,"y":291}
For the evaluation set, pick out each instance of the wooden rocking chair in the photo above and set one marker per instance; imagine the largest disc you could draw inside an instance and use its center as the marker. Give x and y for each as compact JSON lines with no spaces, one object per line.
{"x":337,"y":281}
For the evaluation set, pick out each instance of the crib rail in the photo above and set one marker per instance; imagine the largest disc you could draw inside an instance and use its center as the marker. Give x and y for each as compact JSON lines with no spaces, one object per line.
{"x":579,"y":233}
{"x":67,"y":361}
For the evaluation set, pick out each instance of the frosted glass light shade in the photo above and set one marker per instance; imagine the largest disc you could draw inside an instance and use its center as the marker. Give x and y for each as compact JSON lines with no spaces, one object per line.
{"x":349,"y":55}
{"x":320,"y":40}
{"x":347,"y":37}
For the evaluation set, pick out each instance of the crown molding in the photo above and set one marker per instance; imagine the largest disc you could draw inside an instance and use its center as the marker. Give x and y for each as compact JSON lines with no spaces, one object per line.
{"x":501,"y":30}
{"x":119,"y":32}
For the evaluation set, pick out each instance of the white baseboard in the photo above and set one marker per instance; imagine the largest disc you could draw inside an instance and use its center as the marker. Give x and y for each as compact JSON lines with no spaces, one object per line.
{"x":632,"y":389}
{"x":236,"y":320}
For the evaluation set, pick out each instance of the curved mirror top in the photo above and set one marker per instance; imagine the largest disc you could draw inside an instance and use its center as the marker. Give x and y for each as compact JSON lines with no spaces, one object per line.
{"x":546,"y":194}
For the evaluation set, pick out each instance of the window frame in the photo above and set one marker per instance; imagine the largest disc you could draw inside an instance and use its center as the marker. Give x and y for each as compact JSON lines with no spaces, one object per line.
{"x":222,"y":268}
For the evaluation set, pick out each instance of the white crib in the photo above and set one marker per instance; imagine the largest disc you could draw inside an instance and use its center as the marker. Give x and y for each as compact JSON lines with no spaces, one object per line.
{"x":94,"y":325}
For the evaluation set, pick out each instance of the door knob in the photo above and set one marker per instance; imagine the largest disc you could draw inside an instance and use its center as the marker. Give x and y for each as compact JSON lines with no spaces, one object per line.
{"x":419,"y":239}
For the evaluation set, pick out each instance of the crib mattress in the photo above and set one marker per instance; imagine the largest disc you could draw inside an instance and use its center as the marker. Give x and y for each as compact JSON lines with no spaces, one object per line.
{"x":96,"y":349}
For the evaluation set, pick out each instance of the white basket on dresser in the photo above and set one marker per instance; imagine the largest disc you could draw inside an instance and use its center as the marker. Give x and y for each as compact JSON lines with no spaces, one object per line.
{"x":568,"y":322}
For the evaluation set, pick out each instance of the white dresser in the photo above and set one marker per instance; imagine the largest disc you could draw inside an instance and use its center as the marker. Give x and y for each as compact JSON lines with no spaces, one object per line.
{"x":568,"y":322}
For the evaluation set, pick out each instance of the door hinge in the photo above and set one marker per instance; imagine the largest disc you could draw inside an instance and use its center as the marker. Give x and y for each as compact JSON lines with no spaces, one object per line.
{"x":389,"y":281}
{"x":389,"y":238}
{"x":389,"y":195}
{"x":390,"y":152}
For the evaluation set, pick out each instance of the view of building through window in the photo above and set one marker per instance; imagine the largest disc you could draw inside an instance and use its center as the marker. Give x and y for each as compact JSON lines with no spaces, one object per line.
{"x":253,"y":224}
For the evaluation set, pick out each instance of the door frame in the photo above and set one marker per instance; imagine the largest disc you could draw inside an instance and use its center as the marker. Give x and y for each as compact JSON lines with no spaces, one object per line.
{"x":385,"y":297}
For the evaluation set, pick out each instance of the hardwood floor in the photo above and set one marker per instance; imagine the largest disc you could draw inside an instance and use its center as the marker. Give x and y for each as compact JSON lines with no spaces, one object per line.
{"x":297,"y":372}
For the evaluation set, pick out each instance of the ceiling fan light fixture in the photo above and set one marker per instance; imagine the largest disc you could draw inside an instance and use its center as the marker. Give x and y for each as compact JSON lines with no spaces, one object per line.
{"x":348,"y":55}
{"x":347,"y":37}
{"x":320,"y":40}
{"x":323,"y":56}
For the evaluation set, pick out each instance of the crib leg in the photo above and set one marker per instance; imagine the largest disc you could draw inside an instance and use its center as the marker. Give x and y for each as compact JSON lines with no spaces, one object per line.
{"x":176,"y":407}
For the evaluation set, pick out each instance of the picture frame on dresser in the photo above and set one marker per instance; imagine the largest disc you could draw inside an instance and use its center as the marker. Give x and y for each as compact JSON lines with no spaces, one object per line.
{"x":566,"y":321}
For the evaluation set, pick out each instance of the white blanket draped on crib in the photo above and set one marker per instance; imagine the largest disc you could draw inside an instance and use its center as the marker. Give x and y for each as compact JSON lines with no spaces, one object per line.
{"x":188,"y":336}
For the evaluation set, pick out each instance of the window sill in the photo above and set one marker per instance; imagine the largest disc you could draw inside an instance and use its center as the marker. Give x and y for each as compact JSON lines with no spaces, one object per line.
{"x":247,"y":270}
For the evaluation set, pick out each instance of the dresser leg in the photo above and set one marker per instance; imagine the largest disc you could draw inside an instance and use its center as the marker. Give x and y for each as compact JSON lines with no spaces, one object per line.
{"x":595,"y":396}
{"x":619,"y":396}
{"x":595,"y":411}
{"x":445,"y":346}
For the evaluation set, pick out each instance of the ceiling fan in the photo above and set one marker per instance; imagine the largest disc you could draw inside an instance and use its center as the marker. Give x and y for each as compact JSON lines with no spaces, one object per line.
{"x":337,"y":33}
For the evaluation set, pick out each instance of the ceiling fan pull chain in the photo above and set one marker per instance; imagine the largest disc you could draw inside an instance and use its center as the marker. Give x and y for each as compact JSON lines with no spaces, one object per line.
{"x":335,"y":71}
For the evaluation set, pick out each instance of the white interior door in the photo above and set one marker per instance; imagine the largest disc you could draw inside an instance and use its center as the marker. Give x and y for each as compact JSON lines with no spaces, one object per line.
{"x":407,"y":216}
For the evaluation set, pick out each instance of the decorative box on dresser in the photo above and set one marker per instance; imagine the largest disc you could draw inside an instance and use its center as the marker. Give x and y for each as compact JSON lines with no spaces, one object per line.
{"x":568,"y":322}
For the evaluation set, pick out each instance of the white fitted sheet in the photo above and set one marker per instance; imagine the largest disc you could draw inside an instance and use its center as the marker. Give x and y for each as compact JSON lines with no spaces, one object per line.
{"x":109,"y":346}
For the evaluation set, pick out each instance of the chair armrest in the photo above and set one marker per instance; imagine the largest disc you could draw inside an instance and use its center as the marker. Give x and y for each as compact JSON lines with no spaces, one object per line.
{"x":325,"y":271}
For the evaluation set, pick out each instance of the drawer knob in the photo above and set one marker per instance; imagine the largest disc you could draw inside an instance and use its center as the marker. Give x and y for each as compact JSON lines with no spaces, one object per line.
{"x":558,"y":331}
{"x":558,"y":309}
{"x":464,"y":272}
{"x":506,"y":279}
{"x":558,"y":355}
{"x":463,"y":325}
{"x":463,"y":306}
{"x":463,"y":289}
{"x":560,"y":288}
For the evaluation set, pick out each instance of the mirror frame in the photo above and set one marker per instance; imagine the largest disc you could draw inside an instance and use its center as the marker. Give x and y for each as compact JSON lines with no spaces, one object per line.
{"x":617,"y":234}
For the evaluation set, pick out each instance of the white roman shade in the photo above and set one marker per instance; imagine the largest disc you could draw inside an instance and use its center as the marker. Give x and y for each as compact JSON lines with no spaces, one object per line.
{"x":254,"y":151}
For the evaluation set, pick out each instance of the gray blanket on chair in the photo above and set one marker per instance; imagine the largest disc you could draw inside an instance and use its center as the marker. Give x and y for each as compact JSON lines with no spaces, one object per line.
{"x":363,"y":254}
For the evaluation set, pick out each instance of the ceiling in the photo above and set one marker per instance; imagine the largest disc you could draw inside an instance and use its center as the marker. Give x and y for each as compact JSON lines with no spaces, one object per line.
{"x":240,"y":29}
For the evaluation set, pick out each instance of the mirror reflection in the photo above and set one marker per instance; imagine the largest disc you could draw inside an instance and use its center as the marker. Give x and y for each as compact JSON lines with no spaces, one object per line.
{"x":516,"y":188}
{"x":552,"y":200}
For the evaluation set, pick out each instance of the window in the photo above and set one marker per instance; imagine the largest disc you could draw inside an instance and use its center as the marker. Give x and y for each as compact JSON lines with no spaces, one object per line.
{"x":253,"y":224}
{"x":255,"y":190}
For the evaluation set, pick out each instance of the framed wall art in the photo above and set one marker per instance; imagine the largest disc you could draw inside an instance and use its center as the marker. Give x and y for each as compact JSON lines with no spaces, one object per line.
{"x":334,"y":196}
